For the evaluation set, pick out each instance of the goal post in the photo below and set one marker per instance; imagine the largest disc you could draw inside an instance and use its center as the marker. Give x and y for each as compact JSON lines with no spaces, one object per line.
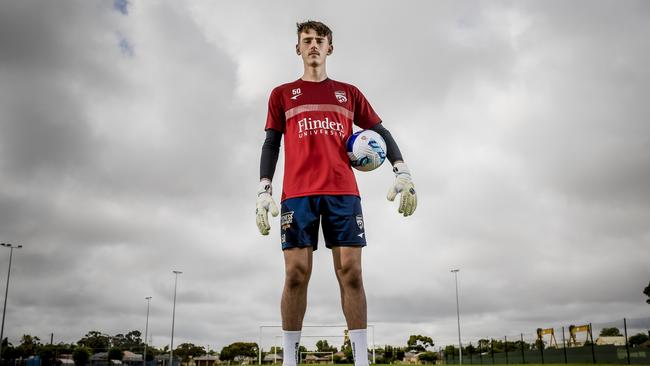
{"x":277,"y":339}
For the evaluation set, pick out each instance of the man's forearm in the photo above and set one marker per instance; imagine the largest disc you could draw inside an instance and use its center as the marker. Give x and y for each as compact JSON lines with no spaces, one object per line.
{"x":270,"y":153}
{"x":392,"y":150}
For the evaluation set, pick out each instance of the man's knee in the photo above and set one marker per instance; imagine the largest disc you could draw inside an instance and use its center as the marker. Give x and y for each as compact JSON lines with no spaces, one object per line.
{"x":350,"y":276}
{"x":297,"y":275}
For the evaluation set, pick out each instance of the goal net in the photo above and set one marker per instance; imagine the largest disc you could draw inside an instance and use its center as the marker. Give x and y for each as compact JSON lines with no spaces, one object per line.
{"x":270,"y":343}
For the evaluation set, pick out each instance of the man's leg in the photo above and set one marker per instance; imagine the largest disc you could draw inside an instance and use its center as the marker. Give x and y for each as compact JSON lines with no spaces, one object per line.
{"x":347,"y":264}
{"x":297,"y":264}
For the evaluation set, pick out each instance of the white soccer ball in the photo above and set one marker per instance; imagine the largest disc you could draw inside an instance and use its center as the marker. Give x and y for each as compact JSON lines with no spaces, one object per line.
{"x":366,"y":149}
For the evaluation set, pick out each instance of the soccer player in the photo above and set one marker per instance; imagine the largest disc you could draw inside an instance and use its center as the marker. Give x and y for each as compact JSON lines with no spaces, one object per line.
{"x":315,"y":114}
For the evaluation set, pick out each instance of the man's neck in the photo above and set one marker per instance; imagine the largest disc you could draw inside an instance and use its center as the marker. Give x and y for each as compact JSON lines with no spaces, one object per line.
{"x":314,"y":74}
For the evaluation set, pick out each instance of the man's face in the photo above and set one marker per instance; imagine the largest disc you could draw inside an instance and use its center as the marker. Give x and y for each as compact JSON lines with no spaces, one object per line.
{"x":313,"y":48}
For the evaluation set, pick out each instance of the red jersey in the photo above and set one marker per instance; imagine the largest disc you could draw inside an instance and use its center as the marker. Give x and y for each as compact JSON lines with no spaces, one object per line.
{"x":316,"y":119}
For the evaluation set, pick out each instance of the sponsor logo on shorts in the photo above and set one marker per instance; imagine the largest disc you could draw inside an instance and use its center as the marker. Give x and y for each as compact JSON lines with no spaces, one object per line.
{"x":286,"y":220}
{"x":360,"y":222}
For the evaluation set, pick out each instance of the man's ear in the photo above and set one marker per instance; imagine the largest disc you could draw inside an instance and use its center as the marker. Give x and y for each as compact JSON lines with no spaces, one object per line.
{"x":297,"y":49}
{"x":331,"y":49}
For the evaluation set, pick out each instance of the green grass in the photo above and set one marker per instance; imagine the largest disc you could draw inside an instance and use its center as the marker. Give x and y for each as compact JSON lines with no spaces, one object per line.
{"x":496,"y":364}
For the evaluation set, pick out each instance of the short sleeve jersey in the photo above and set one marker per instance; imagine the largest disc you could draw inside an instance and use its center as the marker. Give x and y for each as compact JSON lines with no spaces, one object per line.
{"x":316,"y":119}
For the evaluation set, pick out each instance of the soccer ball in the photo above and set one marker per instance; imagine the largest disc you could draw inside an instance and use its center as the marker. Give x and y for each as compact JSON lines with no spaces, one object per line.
{"x":366,"y":150}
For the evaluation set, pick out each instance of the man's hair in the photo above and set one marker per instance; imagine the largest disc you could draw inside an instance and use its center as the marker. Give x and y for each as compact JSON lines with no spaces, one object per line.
{"x":320,"y":28}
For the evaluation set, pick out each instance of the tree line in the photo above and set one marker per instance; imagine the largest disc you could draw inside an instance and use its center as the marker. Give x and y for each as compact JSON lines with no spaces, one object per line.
{"x":497,"y":346}
{"x":95,"y":342}
{"x":92,"y":343}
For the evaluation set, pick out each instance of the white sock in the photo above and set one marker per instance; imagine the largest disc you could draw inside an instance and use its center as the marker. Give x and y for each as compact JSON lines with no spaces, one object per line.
{"x":290,"y":344}
{"x":359,"y":342}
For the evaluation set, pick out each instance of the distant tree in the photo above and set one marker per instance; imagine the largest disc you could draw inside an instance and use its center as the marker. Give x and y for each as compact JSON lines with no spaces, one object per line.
{"x":132,"y":341}
{"x":65,"y":348}
{"x":428,"y":357}
{"x":152,"y":352}
{"x":28,"y":345}
{"x":610,"y":332}
{"x":470,"y":349}
{"x":390,"y":354}
{"x":81,"y":355}
{"x":451,"y":351}
{"x":96,"y":341}
{"x":186,"y":350}
{"x":302,"y":349}
{"x":521,"y":345}
{"x":399,"y":354}
{"x":497,"y":345}
{"x":323,"y":346}
{"x":637,"y":339}
{"x":646,"y":291}
{"x":238,"y":349}
{"x":115,"y":354}
{"x":47,"y":353}
{"x":10,"y":352}
{"x":346,"y":348}
{"x":419,"y":343}
{"x":483,"y":345}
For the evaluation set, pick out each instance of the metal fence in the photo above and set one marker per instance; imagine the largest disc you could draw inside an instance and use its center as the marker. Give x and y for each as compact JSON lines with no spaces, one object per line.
{"x":607,"y":342}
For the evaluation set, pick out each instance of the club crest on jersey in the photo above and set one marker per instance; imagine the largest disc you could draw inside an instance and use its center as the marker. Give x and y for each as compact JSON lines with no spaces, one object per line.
{"x":340,"y":96}
{"x":360,"y":222}
{"x":286,"y":220}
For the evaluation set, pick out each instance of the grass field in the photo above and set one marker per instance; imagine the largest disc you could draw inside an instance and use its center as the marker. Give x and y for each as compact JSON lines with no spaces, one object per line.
{"x":496,"y":364}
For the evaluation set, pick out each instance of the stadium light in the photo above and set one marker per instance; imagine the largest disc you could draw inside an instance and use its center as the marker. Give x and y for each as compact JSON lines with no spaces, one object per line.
{"x":171,"y":344}
{"x":146,"y":331}
{"x":4,"y":309}
{"x":460,"y":345}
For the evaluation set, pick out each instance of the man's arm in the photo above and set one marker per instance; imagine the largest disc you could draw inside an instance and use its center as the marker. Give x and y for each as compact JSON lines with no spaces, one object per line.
{"x":270,"y":153}
{"x":268,"y":161}
{"x":393,"y":154}
{"x":403,"y":184}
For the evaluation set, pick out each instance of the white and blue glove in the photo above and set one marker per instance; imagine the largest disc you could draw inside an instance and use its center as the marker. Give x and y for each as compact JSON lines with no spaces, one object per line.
{"x":265,"y":204}
{"x":404,"y":186}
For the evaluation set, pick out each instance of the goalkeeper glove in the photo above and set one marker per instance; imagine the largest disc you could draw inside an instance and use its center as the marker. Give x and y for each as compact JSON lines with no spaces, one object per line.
{"x":265,"y":204}
{"x":404,"y":186}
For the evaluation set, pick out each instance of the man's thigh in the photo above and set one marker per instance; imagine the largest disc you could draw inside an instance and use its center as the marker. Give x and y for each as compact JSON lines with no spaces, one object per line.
{"x":298,"y":259}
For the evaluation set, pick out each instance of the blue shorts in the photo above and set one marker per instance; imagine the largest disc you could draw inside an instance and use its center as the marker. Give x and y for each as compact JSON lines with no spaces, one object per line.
{"x":341,"y":217}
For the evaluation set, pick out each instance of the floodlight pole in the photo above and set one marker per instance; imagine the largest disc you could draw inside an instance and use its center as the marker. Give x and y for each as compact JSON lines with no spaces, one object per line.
{"x":4,"y":309}
{"x":171,"y":343}
{"x":460,"y":344}
{"x":146,"y":332}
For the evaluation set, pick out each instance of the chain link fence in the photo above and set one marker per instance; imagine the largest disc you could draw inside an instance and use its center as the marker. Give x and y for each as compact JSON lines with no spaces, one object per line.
{"x":625,"y":341}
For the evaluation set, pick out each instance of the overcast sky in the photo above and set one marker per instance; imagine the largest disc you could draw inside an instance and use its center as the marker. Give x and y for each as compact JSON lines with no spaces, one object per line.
{"x":130,"y":135}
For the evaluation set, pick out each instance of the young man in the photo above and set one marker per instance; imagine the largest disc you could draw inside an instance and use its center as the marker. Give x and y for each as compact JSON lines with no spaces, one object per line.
{"x":315,"y":114}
